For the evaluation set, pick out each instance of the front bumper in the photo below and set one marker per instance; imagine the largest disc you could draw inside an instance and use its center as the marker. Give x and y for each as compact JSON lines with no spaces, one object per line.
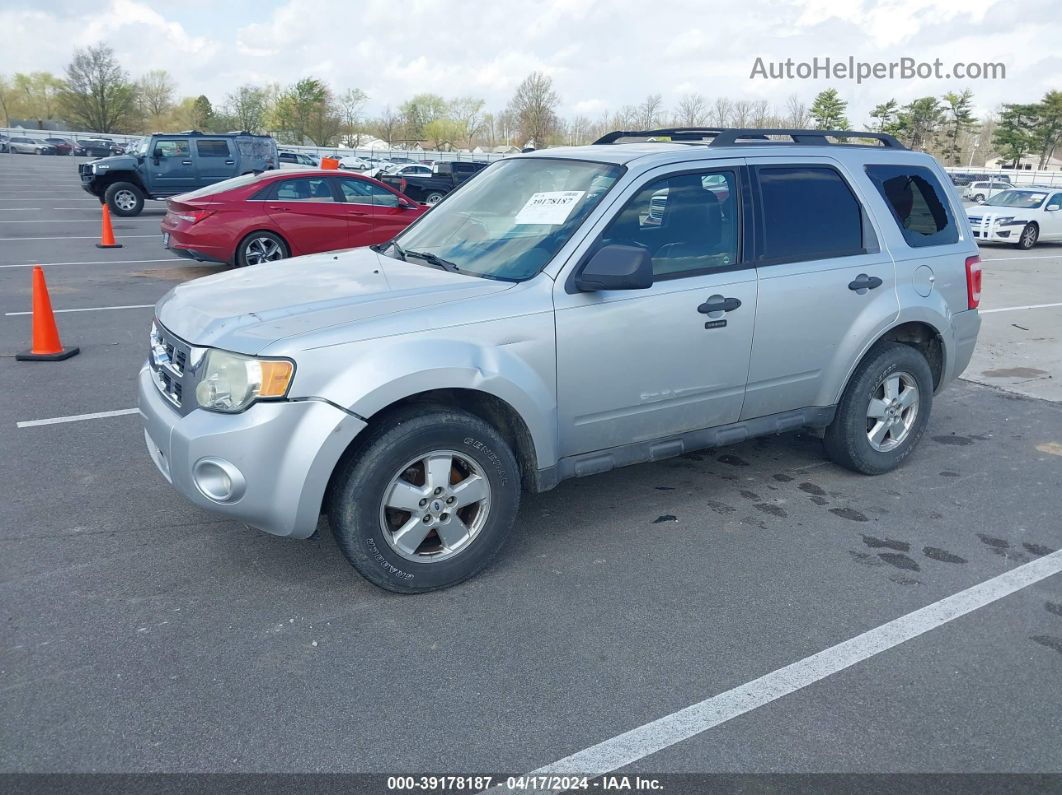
{"x":285,"y":452}
{"x":986,"y":227}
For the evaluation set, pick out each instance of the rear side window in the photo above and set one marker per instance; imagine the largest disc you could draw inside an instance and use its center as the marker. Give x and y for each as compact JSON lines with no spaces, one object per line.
{"x":212,"y":148}
{"x":809,"y":213}
{"x":305,"y":189}
{"x":917,"y":203}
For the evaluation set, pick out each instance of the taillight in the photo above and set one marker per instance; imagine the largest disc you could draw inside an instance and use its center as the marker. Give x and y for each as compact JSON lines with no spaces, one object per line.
{"x":195,"y":216}
{"x":973,"y":282}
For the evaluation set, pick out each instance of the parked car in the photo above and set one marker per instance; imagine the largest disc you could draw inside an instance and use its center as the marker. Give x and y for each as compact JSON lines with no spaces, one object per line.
{"x":166,"y":165}
{"x":263,"y":217}
{"x":1022,"y":216}
{"x":408,"y":170}
{"x":298,"y":159}
{"x":91,"y":147}
{"x":29,"y":146}
{"x":979,"y":191}
{"x":533,"y":327}
{"x":445,"y":176}
{"x":354,"y":163}
{"x":3,"y":142}
{"x":63,"y":146}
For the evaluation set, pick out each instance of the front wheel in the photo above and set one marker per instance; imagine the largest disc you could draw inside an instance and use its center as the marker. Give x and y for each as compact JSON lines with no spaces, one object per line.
{"x":259,"y":247}
{"x":124,"y":199}
{"x":979,"y":198}
{"x":428,"y":501}
{"x":433,"y":198}
{"x":883,"y":412}
{"x":1029,"y":235}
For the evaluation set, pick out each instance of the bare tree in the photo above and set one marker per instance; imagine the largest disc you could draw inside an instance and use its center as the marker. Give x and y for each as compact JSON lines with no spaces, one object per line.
{"x":691,"y":111}
{"x":649,"y":111}
{"x":534,"y":105}
{"x":797,"y":116}
{"x":248,"y":106}
{"x":156,"y":89}
{"x":761,"y":114}
{"x":350,"y":105}
{"x":98,"y":93}
{"x":741,"y":113}
{"x":721,"y":112}
{"x":468,"y":113}
{"x":387,"y":124}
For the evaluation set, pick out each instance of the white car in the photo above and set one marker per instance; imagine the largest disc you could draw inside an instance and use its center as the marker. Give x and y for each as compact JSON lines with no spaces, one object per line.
{"x":979,"y":191}
{"x":1022,"y":216}
{"x":354,"y":163}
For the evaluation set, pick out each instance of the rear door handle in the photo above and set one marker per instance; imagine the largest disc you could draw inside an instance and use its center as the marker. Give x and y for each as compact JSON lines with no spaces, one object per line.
{"x":230,"y":162}
{"x":186,"y":162}
{"x":719,"y":304}
{"x":862,"y":283}
{"x":278,"y":208}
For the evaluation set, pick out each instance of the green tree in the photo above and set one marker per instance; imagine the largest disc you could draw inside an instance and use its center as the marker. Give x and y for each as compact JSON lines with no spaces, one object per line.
{"x":883,"y":116}
{"x":419,"y":111}
{"x":920,"y":121}
{"x":38,"y":94}
{"x":155,"y":90}
{"x":960,"y":120}
{"x":202,"y":113}
{"x":444,"y":133}
{"x":828,"y":111}
{"x":98,"y":94}
{"x":1015,"y":134}
{"x":307,"y":110}
{"x":1048,"y":131}
{"x":467,"y":112}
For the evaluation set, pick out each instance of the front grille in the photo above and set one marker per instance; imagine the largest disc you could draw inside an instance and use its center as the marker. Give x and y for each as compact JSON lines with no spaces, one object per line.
{"x":169,"y":359}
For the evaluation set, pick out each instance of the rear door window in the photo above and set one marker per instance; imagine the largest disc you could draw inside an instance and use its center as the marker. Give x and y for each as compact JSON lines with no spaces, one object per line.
{"x":809,"y":213}
{"x":356,"y":191}
{"x":917,"y":203}
{"x":305,"y":189}
{"x":212,"y":148}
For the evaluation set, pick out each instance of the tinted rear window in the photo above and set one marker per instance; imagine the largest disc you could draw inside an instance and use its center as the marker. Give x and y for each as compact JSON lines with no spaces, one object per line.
{"x":917,"y":203}
{"x":809,"y":213}
{"x":212,"y":148}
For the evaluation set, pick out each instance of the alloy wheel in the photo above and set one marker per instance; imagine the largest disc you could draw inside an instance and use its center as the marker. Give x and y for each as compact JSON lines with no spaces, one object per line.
{"x":435,"y":506}
{"x":125,"y":200}
{"x":263,"y":249}
{"x":892,"y":411}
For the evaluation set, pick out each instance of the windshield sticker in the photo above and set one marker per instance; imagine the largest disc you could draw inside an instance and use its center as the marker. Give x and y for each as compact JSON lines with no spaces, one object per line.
{"x":550,"y":207}
{"x":1037,"y":197}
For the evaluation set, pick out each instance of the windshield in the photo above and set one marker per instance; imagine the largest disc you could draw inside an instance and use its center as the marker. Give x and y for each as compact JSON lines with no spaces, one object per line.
{"x":1022,"y":199}
{"x":510,"y":219}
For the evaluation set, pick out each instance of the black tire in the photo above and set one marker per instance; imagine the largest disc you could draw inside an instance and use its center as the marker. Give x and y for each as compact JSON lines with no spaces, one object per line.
{"x":846,"y":439}
{"x":124,"y":198}
{"x":433,"y":198}
{"x":362,"y":480}
{"x":245,"y":251}
{"x":979,"y":198}
{"x":1030,"y":234}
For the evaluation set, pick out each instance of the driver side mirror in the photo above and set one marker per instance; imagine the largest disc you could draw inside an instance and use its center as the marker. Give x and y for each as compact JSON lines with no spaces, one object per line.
{"x":157,"y":156}
{"x":616,"y":267}
{"x":1054,"y":209}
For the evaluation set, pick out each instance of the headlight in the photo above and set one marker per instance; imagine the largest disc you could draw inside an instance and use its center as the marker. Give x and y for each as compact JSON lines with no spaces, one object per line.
{"x":231,"y":382}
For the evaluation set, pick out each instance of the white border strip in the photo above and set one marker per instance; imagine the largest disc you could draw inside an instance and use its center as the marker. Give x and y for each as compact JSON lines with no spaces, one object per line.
{"x":1017,"y":308}
{"x":96,"y":262}
{"x":98,"y":415}
{"x":86,"y":309}
{"x":639,"y":743}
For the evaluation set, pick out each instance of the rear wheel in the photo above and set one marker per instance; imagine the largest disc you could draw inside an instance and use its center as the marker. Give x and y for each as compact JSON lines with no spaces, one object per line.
{"x":433,"y":198}
{"x":124,"y":198}
{"x":428,"y":501}
{"x":979,"y":198}
{"x":1029,"y":235}
{"x":884,"y":410}
{"x":259,"y":247}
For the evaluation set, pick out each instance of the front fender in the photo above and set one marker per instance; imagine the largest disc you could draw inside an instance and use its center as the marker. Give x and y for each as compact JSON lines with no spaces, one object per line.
{"x":519,"y":370}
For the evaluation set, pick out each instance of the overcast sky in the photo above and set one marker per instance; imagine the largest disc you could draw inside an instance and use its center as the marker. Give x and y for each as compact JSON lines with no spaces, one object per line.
{"x":600,"y":54}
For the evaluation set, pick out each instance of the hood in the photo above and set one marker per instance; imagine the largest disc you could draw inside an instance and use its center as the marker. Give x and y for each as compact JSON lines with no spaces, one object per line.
{"x":247,"y":309}
{"x":115,"y":163}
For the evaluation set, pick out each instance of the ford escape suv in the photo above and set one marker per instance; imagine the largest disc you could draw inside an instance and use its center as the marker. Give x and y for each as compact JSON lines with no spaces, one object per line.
{"x":568,"y":311}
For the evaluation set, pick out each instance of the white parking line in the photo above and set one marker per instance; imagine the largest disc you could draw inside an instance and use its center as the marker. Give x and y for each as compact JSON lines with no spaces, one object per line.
{"x":1017,"y":308}
{"x":1011,"y":259}
{"x":94,"y":262}
{"x":72,"y":237}
{"x":87,"y":309}
{"x":639,"y":743}
{"x":98,"y":415}
{"x":55,"y":220}
{"x":27,"y":209}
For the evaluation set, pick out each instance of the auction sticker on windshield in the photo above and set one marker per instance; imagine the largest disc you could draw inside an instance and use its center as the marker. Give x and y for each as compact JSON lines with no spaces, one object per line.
{"x":550,"y":207}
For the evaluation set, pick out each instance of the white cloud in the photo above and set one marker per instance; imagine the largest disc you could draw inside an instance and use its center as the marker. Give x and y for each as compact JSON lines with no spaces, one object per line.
{"x":601,"y":53}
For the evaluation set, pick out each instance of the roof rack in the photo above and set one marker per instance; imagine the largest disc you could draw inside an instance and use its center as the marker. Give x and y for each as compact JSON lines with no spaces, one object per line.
{"x":732,"y":136}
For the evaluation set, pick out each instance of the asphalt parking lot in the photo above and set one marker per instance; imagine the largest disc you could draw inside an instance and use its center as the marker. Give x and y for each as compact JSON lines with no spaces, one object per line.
{"x":142,"y":634}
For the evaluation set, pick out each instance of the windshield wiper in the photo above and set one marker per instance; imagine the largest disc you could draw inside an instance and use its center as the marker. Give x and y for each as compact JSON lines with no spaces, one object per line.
{"x":432,"y":259}
{"x":380,"y":248}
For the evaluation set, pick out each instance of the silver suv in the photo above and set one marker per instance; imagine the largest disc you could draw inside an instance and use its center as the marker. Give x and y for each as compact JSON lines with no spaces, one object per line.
{"x":566,"y":312}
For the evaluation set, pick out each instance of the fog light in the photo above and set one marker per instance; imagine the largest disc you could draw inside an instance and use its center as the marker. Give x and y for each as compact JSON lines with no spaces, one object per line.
{"x":218,"y":480}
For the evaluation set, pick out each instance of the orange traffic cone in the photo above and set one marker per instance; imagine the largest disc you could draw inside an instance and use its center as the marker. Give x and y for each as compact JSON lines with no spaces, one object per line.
{"x":46,"y":344}
{"x":107,"y":234}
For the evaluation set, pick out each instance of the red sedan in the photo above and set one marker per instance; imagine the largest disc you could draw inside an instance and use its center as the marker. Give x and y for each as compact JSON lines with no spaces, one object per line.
{"x":261,"y":217}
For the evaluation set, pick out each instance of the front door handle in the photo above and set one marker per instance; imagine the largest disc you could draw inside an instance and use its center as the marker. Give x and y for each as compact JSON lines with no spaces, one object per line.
{"x":719,"y":304}
{"x":862,"y":283}
{"x":186,"y":162}
{"x":278,"y":209}
{"x":230,"y":162}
